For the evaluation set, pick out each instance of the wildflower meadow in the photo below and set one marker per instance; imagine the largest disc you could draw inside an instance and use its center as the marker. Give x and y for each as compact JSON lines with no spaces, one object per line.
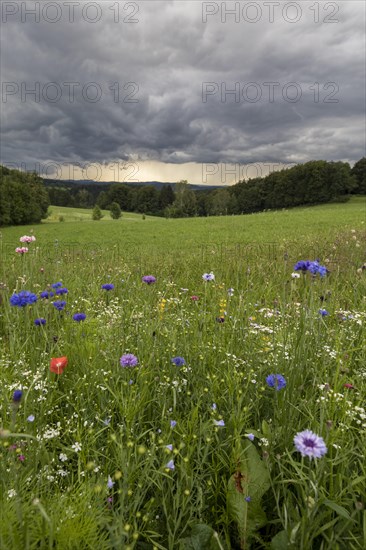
{"x":185,"y":384}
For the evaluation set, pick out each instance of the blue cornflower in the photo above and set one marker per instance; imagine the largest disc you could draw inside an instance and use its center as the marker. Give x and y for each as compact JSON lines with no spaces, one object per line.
{"x":17,"y":396}
{"x":108,"y":286}
{"x":323,"y":312}
{"x":276,"y":381}
{"x":45,"y":294}
{"x":312,"y":266}
{"x":170,"y":465}
{"x":79,"y":317}
{"x":178,"y":361}
{"x":302,"y":265}
{"x":173,"y":423}
{"x":60,"y":305}
{"x":23,"y":298}
{"x":250,"y":437}
{"x":57,"y":285}
{"x":62,"y":291}
{"x":248,"y":499}
{"x":40,"y":321}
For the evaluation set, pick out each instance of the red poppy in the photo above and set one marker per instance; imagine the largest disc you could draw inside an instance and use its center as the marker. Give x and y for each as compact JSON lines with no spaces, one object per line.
{"x":58,"y":364}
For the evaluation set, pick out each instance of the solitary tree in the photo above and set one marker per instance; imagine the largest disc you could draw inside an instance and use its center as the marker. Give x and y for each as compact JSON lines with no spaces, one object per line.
{"x":115,"y":211}
{"x":97,"y":213}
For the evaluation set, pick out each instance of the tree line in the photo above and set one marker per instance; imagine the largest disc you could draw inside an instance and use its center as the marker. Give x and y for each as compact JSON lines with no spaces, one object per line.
{"x":26,"y":199}
{"x":311,"y":183}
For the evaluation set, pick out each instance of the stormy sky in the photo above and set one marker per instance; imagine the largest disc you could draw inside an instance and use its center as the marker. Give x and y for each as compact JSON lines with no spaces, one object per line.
{"x":169,"y":90}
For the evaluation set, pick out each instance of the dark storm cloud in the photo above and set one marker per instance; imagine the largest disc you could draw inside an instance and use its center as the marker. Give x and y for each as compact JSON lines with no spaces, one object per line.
{"x":162,"y":83}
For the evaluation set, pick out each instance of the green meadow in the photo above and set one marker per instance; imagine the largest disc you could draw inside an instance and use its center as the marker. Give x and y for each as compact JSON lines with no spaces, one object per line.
{"x":198,"y":452}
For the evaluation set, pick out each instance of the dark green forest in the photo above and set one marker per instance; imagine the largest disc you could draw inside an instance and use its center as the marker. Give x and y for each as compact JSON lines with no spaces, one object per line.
{"x":25,"y":197}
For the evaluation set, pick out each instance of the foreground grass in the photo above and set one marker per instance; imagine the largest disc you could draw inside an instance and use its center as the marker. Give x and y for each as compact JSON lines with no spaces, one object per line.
{"x":138,"y":457}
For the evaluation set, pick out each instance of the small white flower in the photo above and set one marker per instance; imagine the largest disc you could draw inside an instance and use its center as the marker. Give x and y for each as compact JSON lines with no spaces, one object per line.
{"x":76,"y":446}
{"x":62,"y":457}
{"x":295,"y":275}
{"x":12,"y":493}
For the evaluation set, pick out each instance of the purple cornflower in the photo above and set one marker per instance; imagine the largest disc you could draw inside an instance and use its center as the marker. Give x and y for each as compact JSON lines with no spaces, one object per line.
{"x":309,"y":444}
{"x":110,"y":483}
{"x":45,"y":294}
{"x":23,"y":298}
{"x":129,"y":360}
{"x":178,"y":361}
{"x":170,"y":465}
{"x":57,"y":285}
{"x":79,"y":317}
{"x":208,"y":276}
{"x":40,"y":321}
{"x":323,"y":312}
{"x":108,"y":286}
{"x":17,"y":396}
{"x":148,"y":279}
{"x":59,"y":305}
{"x":173,"y":423}
{"x":248,"y":499}
{"x":62,"y":291}
{"x":276,"y":381}
{"x":170,"y":447}
{"x":250,"y":437}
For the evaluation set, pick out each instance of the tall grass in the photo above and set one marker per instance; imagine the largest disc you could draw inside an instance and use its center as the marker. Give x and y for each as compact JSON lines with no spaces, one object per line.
{"x":94,"y":470}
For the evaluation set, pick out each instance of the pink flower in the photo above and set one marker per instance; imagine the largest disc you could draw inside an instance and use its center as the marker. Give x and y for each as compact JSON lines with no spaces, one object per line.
{"x":21,"y":458}
{"x":194,"y":298}
{"x":21,"y":249}
{"x":27,"y":239}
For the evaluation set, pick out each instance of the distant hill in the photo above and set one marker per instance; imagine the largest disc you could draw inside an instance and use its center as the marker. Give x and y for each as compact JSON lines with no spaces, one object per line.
{"x":157,"y":184}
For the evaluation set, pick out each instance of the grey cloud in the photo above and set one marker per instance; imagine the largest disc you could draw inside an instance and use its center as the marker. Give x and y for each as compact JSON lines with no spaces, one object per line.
{"x":169,"y":54}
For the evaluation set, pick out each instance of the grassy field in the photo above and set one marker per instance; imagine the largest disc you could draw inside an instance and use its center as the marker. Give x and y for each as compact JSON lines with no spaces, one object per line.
{"x":199,"y":452}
